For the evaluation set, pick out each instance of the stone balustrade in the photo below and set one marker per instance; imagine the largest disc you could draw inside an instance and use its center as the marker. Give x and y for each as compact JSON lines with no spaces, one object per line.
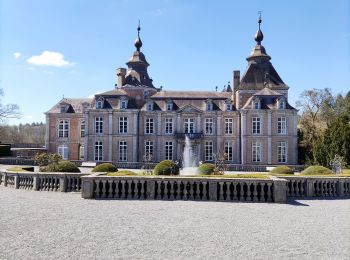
{"x":301,"y":186}
{"x":65,"y":182}
{"x":180,"y":188}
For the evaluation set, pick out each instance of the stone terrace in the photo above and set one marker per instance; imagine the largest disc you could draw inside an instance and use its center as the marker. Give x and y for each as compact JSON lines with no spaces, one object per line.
{"x":47,"y":225}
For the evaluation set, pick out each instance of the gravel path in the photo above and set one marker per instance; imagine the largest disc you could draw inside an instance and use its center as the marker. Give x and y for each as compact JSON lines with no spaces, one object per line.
{"x":49,"y":225}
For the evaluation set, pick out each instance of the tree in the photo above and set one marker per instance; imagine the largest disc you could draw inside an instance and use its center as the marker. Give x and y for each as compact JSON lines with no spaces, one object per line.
{"x":8,"y":110}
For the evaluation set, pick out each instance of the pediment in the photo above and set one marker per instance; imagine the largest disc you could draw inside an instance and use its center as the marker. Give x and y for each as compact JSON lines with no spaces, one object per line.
{"x":189,"y":109}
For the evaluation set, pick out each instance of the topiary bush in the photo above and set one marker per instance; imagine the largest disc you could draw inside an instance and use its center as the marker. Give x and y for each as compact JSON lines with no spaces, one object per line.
{"x":166,"y":167}
{"x":122,"y":173}
{"x":282,"y":170}
{"x":62,"y":166}
{"x":105,"y":167}
{"x":316,"y":170}
{"x":206,"y":168}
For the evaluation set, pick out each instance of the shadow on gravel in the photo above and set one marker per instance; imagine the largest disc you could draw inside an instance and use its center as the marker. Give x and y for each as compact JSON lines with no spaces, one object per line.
{"x":296,"y":203}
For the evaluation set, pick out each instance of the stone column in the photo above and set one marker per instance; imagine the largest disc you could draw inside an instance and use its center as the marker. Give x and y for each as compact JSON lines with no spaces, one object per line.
{"x":178,"y":124}
{"x":110,"y":135}
{"x":280,"y":190}
{"x":47,"y":137}
{"x":63,"y":183}
{"x":269,"y":137}
{"x":87,"y":188}
{"x":16,"y":181}
{"x":199,"y":127}
{"x":213,"y":190}
{"x":243,"y":136}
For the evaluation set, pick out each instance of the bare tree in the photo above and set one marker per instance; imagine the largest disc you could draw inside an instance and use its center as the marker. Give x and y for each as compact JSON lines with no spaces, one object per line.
{"x":8,"y":110}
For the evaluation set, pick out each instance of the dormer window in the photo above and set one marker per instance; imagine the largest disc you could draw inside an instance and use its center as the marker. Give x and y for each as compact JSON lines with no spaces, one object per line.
{"x":145,"y":94}
{"x":63,"y":109}
{"x":99,"y":104}
{"x":123,"y":104}
{"x":228,"y":105}
{"x":209,"y":105}
{"x":281,"y":104}
{"x":256,"y":104}
{"x":169,"y":105}
{"x":150,"y":106}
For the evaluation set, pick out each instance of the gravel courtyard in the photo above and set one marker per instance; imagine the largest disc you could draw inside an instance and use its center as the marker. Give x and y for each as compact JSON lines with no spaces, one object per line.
{"x":49,"y":225}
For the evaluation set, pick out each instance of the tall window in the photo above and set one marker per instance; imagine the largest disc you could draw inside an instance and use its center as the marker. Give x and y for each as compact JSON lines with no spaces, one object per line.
{"x":63,"y":129}
{"x":282,"y":152}
{"x":256,"y":128}
{"x":209,"y":126}
{"x":98,"y":153}
{"x":168,"y":150}
{"x":149,"y":125}
{"x":208,"y":150}
{"x":282,"y":125}
{"x":63,"y":151}
{"x":123,"y":125}
{"x":98,"y":125}
{"x":256,"y":152}
{"x":82,"y":129}
{"x":168,"y":125}
{"x":149,"y":148}
{"x":189,"y":125}
{"x":228,"y":125}
{"x":229,"y":151}
{"x":81,"y":152}
{"x":123,"y":151}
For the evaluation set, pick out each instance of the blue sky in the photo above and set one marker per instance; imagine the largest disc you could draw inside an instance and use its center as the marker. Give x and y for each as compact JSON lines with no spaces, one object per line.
{"x":191,"y":45}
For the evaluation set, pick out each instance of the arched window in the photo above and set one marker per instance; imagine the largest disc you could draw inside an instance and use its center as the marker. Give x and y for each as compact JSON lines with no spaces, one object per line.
{"x":256,"y":103}
{"x":99,"y":104}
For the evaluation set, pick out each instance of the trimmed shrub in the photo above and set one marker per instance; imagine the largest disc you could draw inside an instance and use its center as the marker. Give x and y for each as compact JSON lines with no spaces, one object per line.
{"x":105,"y":167}
{"x":166,"y":167}
{"x":62,"y":166}
{"x":206,"y":168}
{"x":316,"y":170}
{"x":282,"y":170}
{"x":122,"y":173}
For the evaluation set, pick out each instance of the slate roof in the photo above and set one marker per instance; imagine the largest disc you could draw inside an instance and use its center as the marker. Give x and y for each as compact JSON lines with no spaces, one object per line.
{"x":75,"y":105}
{"x":191,"y":95}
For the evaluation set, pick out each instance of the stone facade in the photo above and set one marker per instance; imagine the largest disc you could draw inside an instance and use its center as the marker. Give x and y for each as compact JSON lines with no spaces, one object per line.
{"x":251,"y":123}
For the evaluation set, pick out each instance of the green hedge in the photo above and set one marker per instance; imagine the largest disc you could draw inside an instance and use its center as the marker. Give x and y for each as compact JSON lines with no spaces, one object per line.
{"x":62,"y":166}
{"x":316,"y":170}
{"x":105,"y":167}
{"x":166,"y":167}
{"x":122,"y":173}
{"x":282,"y":170}
{"x":206,"y":168}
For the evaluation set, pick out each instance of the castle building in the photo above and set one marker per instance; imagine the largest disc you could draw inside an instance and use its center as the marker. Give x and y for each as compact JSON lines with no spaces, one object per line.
{"x":251,"y":123}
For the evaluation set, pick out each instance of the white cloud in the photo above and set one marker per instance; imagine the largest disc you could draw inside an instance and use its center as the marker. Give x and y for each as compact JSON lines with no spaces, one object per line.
{"x":17,"y":55}
{"x":159,"y":12}
{"x":93,"y":95}
{"x":49,"y":58}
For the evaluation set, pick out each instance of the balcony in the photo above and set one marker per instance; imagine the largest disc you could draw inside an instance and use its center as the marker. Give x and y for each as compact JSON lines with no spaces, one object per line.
{"x":191,"y":136}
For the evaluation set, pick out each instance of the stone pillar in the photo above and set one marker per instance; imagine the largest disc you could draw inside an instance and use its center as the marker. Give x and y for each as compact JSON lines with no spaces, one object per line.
{"x":16,"y":181}
{"x":269,"y":137}
{"x":36,"y":182}
{"x":243,"y":136}
{"x":309,"y":187}
{"x":110,"y":135}
{"x":150,"y":189}
{"x":199,"y":127}
{"x":279,"y":190}
{"x":87,"y":188}
{"x":178,"y":124}
{"x":340,"y":187}
{"x":5,"y":178}
{"x":63,"y":183}
{"x":213,"y":193}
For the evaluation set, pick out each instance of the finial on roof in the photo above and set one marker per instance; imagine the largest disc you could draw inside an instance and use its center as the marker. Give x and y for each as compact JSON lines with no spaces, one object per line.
{"x":259,"y":35}
{"x":138,"y":42}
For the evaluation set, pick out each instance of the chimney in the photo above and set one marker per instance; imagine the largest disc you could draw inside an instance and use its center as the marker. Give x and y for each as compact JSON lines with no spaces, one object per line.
{"x":121,"y":72}
{"x":236,"y":80}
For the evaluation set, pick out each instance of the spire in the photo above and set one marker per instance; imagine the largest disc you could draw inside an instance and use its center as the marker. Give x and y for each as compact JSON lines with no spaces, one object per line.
{"x":138,"y":42}
{"x":259,"y":35}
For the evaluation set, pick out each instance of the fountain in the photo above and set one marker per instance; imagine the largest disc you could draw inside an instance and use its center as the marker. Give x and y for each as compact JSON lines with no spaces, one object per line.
{"x":190,"y":160}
